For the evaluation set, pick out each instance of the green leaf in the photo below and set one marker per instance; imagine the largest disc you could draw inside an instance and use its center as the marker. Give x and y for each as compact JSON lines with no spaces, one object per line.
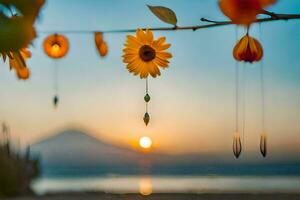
{"x":164,"y":14}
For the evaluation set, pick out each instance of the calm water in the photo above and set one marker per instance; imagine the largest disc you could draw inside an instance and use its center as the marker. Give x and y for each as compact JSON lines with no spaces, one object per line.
{"x":155,"y":184}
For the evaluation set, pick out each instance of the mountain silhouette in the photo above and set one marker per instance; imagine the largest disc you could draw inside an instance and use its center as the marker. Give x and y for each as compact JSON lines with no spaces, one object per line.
{"x":76,"y":148}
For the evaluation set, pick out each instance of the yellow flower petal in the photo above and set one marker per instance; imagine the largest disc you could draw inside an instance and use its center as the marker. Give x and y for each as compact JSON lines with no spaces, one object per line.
{"x":132,"y":41}
{"x":144,"y":71}
{"x":130,"y":50}
{"x":163,"y":47}
{"x":163,"y":55}
{"x":129,"y":58}
{"x":161,"y":63}
{"x":134,"y":66}
{"x":160,"y":41}
{"x":153,"y":69}
{"x":149,"y":36}
{"x":141,"y":37}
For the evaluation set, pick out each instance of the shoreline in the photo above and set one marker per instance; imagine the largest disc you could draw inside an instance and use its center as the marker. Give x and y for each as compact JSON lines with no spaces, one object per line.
{"x":163,"y":196}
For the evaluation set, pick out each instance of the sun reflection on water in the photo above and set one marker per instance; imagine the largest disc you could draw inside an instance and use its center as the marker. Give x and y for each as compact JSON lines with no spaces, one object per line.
{"x":145,"y":186}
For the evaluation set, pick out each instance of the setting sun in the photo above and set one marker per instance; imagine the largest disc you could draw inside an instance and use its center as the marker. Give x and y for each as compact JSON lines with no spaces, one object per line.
{"x":145,"y":142}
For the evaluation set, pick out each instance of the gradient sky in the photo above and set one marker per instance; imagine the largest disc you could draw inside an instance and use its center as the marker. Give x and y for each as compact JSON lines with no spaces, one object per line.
{"x":193,"y":102}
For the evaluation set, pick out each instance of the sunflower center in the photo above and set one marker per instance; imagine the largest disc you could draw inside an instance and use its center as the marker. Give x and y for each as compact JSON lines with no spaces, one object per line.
{"x":147,"y":53}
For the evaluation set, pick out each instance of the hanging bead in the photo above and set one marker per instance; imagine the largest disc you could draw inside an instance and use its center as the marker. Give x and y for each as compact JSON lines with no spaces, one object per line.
{"x":146,"y":118}
{"x":55,"y":101}
{"x":237,"y":145}
{"x":263,"y":144}
{"x":147,"y":98}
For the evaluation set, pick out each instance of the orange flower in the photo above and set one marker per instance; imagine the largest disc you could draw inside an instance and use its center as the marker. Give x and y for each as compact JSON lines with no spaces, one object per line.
{"x":248,"y":49}
{"x":243,"y":11}
{"x":56,"y":46}
{"x":144,"y":55}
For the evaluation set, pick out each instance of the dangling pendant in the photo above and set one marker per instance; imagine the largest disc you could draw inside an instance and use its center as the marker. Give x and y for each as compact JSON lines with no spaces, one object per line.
{"x":55,"y":101}
{"x":237,"y":145}
{"x":146,"y":118}
{"x":147,"y":98}
{"x":263,"y":144}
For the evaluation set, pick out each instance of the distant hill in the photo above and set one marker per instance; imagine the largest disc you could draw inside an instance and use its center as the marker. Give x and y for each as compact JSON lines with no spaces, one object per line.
{"x":77,"y":148}
{"x":74,"y":152}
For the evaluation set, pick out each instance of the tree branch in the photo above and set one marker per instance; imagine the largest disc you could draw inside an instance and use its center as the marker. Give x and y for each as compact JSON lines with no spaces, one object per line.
{"x":273,"y":17}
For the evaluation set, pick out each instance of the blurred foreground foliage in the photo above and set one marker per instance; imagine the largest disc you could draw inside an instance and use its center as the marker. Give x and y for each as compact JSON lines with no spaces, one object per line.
{"x":17,"y":169}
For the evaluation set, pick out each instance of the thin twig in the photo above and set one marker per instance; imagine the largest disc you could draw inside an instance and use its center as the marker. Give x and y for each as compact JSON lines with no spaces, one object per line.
{"x":271,"y":14}
{"x":179,"y":28}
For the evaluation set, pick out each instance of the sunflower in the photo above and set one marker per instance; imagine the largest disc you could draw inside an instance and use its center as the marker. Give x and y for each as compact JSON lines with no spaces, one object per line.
{"x":144,"y":55}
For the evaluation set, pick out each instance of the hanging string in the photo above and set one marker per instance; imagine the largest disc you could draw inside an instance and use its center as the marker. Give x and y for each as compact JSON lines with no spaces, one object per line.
{"x":244,"y":81}
{"x":55,"y":77}
{"x":262,"y":84}
{"x":262,"y":89}
{"x":244,"y":97}
{"x":237,"y":87}
{"x":237,"y":145}
{"x":263,"y":137}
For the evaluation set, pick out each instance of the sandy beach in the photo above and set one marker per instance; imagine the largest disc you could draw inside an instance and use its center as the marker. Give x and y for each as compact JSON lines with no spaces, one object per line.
{"x":105,"y":196}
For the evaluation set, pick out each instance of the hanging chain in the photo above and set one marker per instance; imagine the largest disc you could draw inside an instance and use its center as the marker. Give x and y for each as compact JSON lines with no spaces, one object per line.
{"x":262,"y":90}
{"x":55,"y":75}
{"x":237,"y":87}
{"x":146,"y":99}
{"x":147,"y":93}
